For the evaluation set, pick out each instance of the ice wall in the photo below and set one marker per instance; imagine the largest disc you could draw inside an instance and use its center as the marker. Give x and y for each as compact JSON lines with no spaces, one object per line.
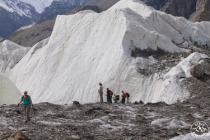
{"x":10,"y":55}
{"x":9,"y":94}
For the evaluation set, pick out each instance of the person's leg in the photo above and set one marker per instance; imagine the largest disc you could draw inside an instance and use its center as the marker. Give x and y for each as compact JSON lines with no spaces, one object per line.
{"x":101,"y":98}
{"x":107,"y":99}
{"x":123,"y":100}
{"x":111,"y":99}
{"x":25,"y":112}
{"x":28,"y":112}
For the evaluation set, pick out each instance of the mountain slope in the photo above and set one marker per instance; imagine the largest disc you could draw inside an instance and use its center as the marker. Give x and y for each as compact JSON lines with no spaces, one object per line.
{"x":11,"y":21}
{"x":39,"y":5}
{"x":18,"y":7}
{"x":183,"y":8}
{"x":40,"y":31}
{"x":18,"y":13}
{"x":29,"y":37}
{"x":101,"y":4}
{"x":203,"y":11}
{"x":130,"y":46}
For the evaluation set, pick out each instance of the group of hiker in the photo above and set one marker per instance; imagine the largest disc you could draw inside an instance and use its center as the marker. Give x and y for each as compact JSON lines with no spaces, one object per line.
{"x":27,"y":102}
{"x":111,"y":96}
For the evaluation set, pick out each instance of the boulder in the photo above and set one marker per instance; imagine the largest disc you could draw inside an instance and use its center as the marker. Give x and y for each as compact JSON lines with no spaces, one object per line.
{"x":18,"y":136}
{"x":76,"y":103}
{"x":202,"y":70}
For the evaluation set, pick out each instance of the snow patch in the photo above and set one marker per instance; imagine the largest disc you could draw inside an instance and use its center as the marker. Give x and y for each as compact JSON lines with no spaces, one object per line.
{"x":25,"y":27}
{"x":4,"y":6}
{"x":191,"y":136}
{"x":170,"y":123}
{"x":96,"y":121}
{"x":50,"y":123}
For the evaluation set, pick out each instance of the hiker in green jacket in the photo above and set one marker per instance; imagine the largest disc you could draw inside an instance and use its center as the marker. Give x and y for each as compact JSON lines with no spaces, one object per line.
{"x":27,"y":103}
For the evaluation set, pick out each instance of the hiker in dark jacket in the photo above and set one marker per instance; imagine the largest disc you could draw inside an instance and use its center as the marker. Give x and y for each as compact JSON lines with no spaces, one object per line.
{"x":123,"y":97}
{"x":109,"y":95}
{"x":27,"y":103}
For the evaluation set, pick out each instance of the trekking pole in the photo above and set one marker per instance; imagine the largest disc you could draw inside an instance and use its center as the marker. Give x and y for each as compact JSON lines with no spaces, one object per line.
{"x":19,"y":109}
{"x":32,"y":107}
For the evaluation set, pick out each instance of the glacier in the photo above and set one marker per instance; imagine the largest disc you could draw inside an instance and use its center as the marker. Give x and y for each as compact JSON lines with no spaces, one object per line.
{"x":10,"y":54}
{"x":87,"y":48}
{"x":8,"y":92}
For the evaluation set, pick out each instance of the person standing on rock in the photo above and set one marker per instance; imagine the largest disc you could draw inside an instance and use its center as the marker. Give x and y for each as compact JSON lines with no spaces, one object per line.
{"x":127,"y":97}
{"x":109,"y":95}
{"x":100,"y":92}
{"x":27,"y":103}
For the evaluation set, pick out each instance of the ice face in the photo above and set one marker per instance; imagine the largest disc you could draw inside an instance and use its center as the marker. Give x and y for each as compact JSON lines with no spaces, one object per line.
{"x":10,"y":54}
{"x":9,"y":94}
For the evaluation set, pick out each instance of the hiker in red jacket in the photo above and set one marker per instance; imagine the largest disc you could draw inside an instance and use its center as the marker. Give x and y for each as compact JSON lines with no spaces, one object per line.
{"x":127,"y":97}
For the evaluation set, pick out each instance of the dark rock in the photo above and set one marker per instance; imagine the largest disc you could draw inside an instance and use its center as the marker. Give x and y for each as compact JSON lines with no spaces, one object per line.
{"x":197,"y":71}
{"x":201,"y":71}
{"x":141,"y":102}
{"x":202,"y":11}
{"x":18,"y":111}
{"x":76,"y":103}
{"x":18,"y":136}
{"x":157,"y":104}
{"x":183,"y":8}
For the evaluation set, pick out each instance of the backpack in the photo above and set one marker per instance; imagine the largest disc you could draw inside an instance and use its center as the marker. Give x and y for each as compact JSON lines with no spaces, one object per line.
{"x":111,"y":93}
{"x":117,"y":97}
{"x":127,"y":95}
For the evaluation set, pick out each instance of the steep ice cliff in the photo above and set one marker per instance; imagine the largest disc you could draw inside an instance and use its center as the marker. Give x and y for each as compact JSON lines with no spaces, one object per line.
{"x":8,"y":92}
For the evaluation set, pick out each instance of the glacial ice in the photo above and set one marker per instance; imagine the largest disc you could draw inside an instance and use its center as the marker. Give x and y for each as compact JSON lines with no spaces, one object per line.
{"x":88,"y":47}
{"x":10,"y":55}
{"x":8,"y":92}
